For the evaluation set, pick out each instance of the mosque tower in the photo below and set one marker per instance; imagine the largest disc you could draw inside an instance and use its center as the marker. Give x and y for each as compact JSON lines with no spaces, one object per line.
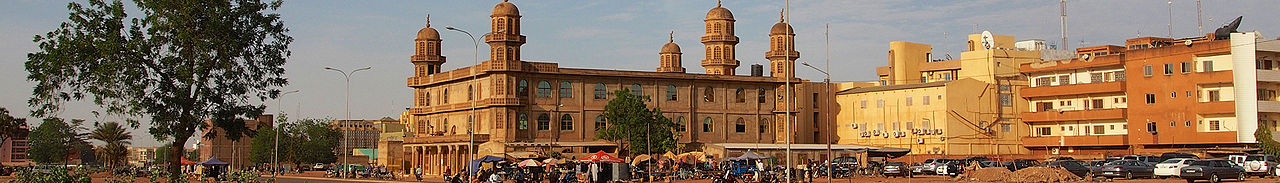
{"x":782,"y":52}
{"x":505,"y":39}
{"x":719,"y":42}
{"x":669,"y":57}
{"x":426,"y":57}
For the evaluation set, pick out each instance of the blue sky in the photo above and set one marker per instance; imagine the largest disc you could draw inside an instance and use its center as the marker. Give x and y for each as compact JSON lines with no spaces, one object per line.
{"x":626,"y":35}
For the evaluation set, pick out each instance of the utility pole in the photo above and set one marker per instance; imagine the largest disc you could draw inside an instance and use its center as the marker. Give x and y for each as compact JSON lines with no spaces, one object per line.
{"x":1170,"y":18}
{"x":1199,"y":18}
{"x":1062,"y":4}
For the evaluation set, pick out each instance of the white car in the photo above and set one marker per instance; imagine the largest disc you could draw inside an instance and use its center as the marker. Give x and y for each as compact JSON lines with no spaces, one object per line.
{"x":1170,"y":167}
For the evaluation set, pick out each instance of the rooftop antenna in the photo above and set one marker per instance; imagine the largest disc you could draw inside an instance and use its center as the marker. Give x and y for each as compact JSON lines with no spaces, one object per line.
{"x":948,"y":48}
{"x":1170,"y":18}
{"x":1062,"y":4}
{"x":1199,"y":18}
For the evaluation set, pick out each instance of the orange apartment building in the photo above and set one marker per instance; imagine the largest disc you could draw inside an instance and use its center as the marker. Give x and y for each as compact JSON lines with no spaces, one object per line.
{"x":1204,"y":95}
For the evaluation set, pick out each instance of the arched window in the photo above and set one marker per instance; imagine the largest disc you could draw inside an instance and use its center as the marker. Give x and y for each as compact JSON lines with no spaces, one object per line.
{"x":426,"y":97}
{"x":740,"y":126}
{"x":970,"y":45}
{"x":764,"y":125}
{"x":600,"y":122}
{"x":444,"y":98}
{"x":511,"y":54}
{"x":708,"y":95}
{"x":680,"y":125}
{"x":566,"y":89}
{"x":706,"y":124}
{"x":671,"y":92}
{"x":740,"y":95}
{"x":522,"y":121}
{"x":544,"y":122}
{"x":445,"y":125}
{"x":760,"y":96}
{"x":544,"y":89}
{"x":566,"y":122}
{"x":470,"y":93}
{"x":636,"y":89}
{"x":522,"y":87}
{"x":601,"y":92}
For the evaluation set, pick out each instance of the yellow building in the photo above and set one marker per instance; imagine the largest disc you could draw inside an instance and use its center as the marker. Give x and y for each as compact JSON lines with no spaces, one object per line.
{"x":965,"y":106}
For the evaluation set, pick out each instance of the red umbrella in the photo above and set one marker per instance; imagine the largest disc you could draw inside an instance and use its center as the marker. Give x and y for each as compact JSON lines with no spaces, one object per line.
{"x":187,"y":162}
{"x":601,"y":157}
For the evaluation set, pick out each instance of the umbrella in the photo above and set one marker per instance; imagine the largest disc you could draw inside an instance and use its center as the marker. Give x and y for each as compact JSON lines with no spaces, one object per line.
{"x":751,"y":156}
{"x":691,"y":157}
{"x":187,"y":162}
{"x":213,"y":161}
{"x":475,"y":163}
{"x":527,"y":163}
{"x":669,"y":155}
{"x":640,"y":158}
{"x":549,"y":161}
{"x":601,"y":157}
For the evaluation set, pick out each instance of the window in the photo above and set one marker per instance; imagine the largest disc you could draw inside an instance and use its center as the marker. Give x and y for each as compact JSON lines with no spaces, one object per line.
{"x":680,"y":126}
{"x":1186,"y":67}
{"x":708,"y":95}
{"x":925,"y":124}
{"x":470,"y":93}
{"x":1005,"y":127}
{"x":1214,"y":96}
{"x":908,"y":101}
{"x":522,"y":87}
{"x":879,"y":103}
{"x":815,"y":100}
{"x":1005,"y":87}
{"x":601,"y":92}
{"x":740,"y":126}
{"x":760,"y":96}
{"x":1188,"y":123}
{"x":924,"y":100}
{"x":671,"y":92}
{"x":1064,"y":80}
{"x":1044,"y":81}
{"x":566,"y":89}
{"x":764,"y":125}
{"x":1119,"y":75}
{"x":740,"y":95}
{"x":1215,"y":125}
{"x":706,"y":124}
{"x":1151,"y":98}
{"x":566,"y":122}
{"x":1208,"y":66}
{"x":1168,"y":69}
{"x":1146,"y":70}
{"x":544,"y":122}
{"x":1096,"y":77}
{"x":444,"y":97}
{"x":946,"y":76}
{"x":1099,"y":129}
{"x":600,"y":123}
{"x":1044,"y":131}
{"x":1006,"y":99}
{"x":522,"y":121}
{"x":544,"y":89}
{"x":636,"y":89}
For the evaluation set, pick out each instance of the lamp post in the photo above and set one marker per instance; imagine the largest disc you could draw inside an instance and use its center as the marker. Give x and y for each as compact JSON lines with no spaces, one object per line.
{"x":275,"y":152}
{"x":475,"y":74}
{"x":345,"y":142}
{"x":826,"y":110}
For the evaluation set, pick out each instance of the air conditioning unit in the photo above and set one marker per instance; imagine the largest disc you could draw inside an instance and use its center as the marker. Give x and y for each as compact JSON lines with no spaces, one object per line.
{"x":942,"y":138}
{"x":915,"y":131}
{"x":875,"y":132}
{"x":855,"y":126}
{"x":886,"y":135}
{"x":920,"y":141}
{"x":937,"y":131}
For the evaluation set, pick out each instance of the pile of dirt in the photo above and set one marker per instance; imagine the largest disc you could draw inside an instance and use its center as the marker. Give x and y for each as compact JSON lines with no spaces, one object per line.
{"x":989,"y":174}
{"x":1043,"y":174}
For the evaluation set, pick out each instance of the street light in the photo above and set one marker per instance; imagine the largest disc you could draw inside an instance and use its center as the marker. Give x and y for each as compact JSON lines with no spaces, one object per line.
{"x":346,"y":142}
{"x":826,"y":110}
{"x":475,"y":74}
{"x":275,"y":152}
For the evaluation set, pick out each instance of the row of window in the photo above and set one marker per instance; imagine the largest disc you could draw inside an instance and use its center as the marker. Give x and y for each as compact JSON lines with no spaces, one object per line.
{"x":1094,"y":77}
{"x":1213,"y":96}
{"x":924,"y":100}
{"x":1187,"y":67}
{"x":1088,"y":129}
{"x":602,"y":92}
{"x":566,"y":123}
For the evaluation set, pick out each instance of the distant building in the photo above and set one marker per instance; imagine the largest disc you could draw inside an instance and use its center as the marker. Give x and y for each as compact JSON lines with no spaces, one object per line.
{"x":142,"y":156}
{"x":234,"y":152}
{"x":358,"y":134}
{"x":14,"y":151}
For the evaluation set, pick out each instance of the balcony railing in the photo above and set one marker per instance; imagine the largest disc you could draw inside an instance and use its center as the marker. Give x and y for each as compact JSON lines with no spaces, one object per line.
{"x":1094,"y":114}
{"x":1074,"y":89}
{"x":1087,"y":140}
{"x":455,"y":138}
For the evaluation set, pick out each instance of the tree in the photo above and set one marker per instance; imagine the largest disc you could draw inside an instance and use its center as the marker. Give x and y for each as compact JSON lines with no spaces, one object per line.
{"x":1266,"y":143}
{"x":11,"y":127}
{"x":116,"y":139}
{"x":179,"y":64}
{"x":645,"y":131}
{"x":263,"y":146}
{"x":316,"y":141}
{"x":49,"y":141}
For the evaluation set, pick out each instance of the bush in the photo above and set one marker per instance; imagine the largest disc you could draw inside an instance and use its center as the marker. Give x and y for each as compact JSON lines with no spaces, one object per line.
{"x":56,"y":174}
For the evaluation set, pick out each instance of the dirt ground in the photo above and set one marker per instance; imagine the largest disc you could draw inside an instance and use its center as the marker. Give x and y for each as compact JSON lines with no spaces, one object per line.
{"x":940,"y":179}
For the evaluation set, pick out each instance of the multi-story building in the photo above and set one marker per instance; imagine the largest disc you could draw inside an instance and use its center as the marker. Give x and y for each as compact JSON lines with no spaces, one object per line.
{"x":234,"y":152}
{"x":965,"y":106}
{"x":142,"y":156}
{"x":13,"y":152}
{"x":357,"y":134}
{"x":1205,"y":95}
{"x":519,"y":106}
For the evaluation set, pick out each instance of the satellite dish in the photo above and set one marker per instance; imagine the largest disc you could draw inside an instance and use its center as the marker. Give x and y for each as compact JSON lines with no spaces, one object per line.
{"x":1187,"y":42}
{"x":987,"y":40}
{"x":1086,"y":57}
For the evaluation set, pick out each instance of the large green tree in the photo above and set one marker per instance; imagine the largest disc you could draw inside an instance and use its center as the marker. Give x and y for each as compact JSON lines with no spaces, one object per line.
{"x":11,"y":127}
{"x":116,"y":140}
{"x":180,"y":63}
{"x":645,"y":131}
{"x":50,"y":141}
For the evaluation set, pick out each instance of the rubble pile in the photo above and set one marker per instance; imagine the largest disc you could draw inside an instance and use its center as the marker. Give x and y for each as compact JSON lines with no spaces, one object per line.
{"x":1043,"y":174}
{"x":989,"y":174}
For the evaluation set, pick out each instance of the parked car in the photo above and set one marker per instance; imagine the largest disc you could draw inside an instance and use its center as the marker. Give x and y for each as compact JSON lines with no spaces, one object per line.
{"x":952,"y":168}
{"x":977,"y":158}
{"x":1129,"y":169}
{"x":1172,"y":155}
{"x":1074,"y":166}
{"x":985,"y":164}
{"x":1019,"y":164}
{"x":1144,"y":158}
{"x":931,"y":165}
{"x":1260,"y":165}
{"x":1213,"y":170}
{"x":1170,"y":167}
{"x":895,"y":168}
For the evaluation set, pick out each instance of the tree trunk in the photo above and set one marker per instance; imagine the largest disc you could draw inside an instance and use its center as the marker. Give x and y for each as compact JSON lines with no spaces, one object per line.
{"x":176,"y":152}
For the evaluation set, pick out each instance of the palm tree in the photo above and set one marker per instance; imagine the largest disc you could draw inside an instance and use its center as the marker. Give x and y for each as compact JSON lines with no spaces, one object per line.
{"x":116,"y":138}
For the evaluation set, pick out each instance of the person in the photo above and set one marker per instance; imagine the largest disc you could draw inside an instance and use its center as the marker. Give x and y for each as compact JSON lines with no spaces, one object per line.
{"x":418,"y":173}
{"x":594,"y":172}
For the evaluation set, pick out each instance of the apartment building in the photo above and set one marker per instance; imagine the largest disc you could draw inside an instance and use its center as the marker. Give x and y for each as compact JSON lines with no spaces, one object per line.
{"x":1203,"y":95}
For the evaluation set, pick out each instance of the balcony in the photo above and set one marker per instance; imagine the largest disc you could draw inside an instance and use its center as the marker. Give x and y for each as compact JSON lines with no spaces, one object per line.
{"x":1095,"y":114}
{"x":1269,"y":75}
{"x":729,"y":38}
{"x":456,"y":138}
{"x":1088,"y":140}
{"x":1073,"y":89}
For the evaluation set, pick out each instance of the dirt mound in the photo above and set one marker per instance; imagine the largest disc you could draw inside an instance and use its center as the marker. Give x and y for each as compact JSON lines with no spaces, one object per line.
{"x":1043,"y":174}
{"x":989,"y":174}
